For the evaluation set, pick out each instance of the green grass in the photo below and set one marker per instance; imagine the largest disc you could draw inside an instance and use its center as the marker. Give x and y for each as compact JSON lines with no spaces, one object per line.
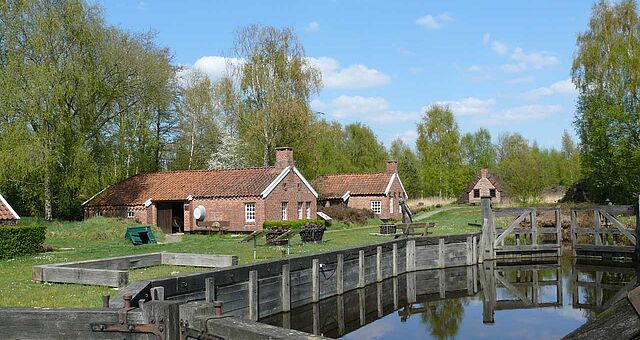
{"x":102,"y":237}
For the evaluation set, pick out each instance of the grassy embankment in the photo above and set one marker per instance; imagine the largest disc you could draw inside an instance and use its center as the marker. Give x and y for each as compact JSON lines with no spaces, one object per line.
{"x":102,"y":237}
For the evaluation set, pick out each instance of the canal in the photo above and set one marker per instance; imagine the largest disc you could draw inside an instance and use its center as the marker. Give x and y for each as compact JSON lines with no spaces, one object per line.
{"x":541,"y":300}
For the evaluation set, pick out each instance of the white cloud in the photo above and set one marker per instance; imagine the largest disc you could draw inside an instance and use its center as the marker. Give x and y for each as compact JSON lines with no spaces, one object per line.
{"x":486,"y":38}
{"x":354,"y":76}
{"x":524,"y":61}
{"x":312,"y":27}
{"x":409,"y":136}
{"x":433,"y":22}
{"x":372,"y":109}
{"x":215,"y":66}
{"x":527,"y":112}
{"x":469,"y":106}
{"x":563,"y":87}
{"x":499,"y":47}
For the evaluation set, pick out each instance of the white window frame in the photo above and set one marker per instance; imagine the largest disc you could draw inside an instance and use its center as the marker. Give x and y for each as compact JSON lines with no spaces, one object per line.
{"x":308,"y":210}
{"x":391,"y":203}
{"x":131,"y":214}
{"x":300,"y":210}
{"x":250,"y":212}
{"x":376,"y":207}
{"x":283,"y":208}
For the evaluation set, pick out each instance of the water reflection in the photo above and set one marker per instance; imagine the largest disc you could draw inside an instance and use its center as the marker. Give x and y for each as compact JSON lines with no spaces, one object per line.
{"x":492,"y":300}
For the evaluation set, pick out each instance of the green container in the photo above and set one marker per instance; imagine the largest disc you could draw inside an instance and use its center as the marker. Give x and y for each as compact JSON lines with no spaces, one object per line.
{"x":140,"y":235}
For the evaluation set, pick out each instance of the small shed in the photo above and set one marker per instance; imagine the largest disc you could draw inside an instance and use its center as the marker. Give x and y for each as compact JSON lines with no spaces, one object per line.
{"x":484,"y":184}
{"x":8,"y":216}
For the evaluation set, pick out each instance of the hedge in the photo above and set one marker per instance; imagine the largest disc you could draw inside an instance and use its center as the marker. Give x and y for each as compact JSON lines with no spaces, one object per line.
{"x":348,"y":215}
{"x":293,"y":224}
{"x":21,"y":240}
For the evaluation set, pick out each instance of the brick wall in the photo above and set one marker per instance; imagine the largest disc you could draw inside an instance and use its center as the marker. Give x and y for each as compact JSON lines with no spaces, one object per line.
{"x":484,"y":185}
{"x":291,"y":190}
{"x":139,"y":212}
{"x":364,"y":202}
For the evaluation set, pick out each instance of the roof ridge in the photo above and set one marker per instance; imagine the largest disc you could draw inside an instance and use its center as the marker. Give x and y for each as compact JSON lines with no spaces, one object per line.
{"x":355,"y":173}
{"x":205,"y":170}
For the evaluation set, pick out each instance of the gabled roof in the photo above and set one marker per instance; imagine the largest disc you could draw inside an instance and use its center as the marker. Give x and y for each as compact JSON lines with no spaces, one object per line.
{"x":483,"y":173}
{"x":178,"y":185}
{"x":345,"y":185}
{"x":6,"y":212}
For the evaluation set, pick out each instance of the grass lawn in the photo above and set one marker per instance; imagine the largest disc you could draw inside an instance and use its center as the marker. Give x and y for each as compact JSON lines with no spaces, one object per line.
{"x":102,"y":237}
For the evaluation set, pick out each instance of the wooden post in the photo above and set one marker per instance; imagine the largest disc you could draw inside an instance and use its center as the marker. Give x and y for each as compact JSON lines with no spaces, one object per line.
{"x":361,"y":269}
{"x":441,"y":253}
{"x":286,"y":288}
{"x":379,"y":296}
{"x":559,"y":231}
{"x":534,"y":227}
{"x":316,"y":319}
{"x":574,"y":237}
{"x":411,"y":256}
{"x":286,"y":320}
{"x":475,"y":249}
{"x":395,"y":260}
{"x":637,"y":253}
{"x":210,"y":290}
{"x":488,"y":230}
{"x":535,"y":288}
{"x":442,"y":283}
{"x":339,"y":274}
{"x":411,"y":287}
{"x":489,"y":291}
{"x":469,"y":244}
{"x":596,"y":225}
{"x":255,"y":248}
{"x":469,"y":280}
{"x":379,"y":264}
{"x":315,"y":280}
{"x":253,"y":295}
{"x":340,"y":314}
{"x":395,"y":293}
{"x":362,"y":305}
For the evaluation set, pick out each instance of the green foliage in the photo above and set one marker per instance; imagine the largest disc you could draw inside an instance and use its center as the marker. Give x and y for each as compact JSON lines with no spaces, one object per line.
{"x":478,"y":152}
{"x":408,"y":167}
{"x":438,"y":147}
{"x":291,"y":224}
{"x":21,"y":240}
{"x":363,"y":149}
{"x":605,"y":71}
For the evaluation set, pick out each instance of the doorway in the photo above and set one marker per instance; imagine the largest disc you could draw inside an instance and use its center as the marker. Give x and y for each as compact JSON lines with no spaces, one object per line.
{"x":171,"y":217}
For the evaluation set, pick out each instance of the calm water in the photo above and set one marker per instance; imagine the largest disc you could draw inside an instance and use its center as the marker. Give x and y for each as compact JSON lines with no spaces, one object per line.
{"x":453,"y":303}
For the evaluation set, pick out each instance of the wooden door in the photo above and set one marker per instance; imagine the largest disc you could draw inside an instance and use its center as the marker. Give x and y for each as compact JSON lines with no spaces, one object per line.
{"x":165,"y":218}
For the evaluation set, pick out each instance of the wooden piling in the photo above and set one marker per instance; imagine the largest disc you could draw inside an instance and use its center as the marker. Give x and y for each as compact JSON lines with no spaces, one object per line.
{"x":253,"y":295}
{"x":286,"y":288}
{"x":411,"y":256}
{"x":339,"y":274}
{"x":441,"y":249}
{"x":488,"y":230}
{"x":395,"y":260}
{"x":315,"y":280}
{"x":210,"y":290}
{"x":379,"y":264}
{"x":361,"y":269}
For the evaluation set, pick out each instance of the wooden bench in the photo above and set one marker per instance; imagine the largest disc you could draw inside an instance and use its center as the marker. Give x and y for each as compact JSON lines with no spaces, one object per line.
{"x":410,"y":229}
{"x":212,"y":226}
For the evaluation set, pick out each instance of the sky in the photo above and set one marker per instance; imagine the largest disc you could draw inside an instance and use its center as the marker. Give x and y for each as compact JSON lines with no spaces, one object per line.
{"x":502,"y":65}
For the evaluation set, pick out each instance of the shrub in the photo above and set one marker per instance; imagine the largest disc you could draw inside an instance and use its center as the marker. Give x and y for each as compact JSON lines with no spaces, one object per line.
{"x":293,"y":224}
{"x":21,"y":240}
{"x":348,"y":215}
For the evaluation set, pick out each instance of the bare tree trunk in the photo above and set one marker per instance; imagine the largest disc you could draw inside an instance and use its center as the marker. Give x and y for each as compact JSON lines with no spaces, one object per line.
{"x":193,"y":141}
{"x":47,"y":194}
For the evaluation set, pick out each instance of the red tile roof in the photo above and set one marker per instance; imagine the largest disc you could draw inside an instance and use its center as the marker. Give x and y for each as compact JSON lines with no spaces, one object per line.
{"x":177,"y":185}
{"x":335,"y":186}
{"x":6,"y":212}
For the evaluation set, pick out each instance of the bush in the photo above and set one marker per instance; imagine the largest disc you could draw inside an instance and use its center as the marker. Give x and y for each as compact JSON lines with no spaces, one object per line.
{"x":293,"y":224}
{"x":348,"y":215}
{"x":21,"y":240}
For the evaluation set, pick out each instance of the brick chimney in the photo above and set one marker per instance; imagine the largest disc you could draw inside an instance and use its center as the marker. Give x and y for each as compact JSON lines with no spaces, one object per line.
{"x":284,"y":157}
{"x":392,"y":167}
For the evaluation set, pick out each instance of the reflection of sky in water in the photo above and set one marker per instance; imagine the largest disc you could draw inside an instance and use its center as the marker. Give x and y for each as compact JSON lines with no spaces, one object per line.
{"x":534,"y":323}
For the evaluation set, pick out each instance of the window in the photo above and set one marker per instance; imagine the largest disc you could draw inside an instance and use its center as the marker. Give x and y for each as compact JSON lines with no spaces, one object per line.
{"x":299,"y":210}
{"x":250,"y":212}
{"x":308,"y":210}
{"x":376,"y":207}
{"x":283,"y":205}
{"x":492,"y":192}
{"x":130,"y":214}
{"x":391,"y":205}
{"x":476,"y":193}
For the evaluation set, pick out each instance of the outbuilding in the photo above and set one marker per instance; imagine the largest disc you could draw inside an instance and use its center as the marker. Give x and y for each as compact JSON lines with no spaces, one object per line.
{"x":379,"y":192}
{"x":8,"y":216}
{"x":234,"y":199}
{"x":485,"y":184}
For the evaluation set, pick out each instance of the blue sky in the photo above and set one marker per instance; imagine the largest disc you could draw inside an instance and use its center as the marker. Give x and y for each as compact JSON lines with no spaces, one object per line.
{"x":503,"y":65}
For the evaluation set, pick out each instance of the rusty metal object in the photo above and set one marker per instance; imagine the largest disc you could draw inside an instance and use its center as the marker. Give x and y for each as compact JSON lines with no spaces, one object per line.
{"x":217,"y":308}
{"x":155,"y":328}
{"x":634,"y":299}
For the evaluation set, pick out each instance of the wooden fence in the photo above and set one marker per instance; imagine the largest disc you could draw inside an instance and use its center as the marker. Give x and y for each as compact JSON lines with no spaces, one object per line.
{"x":607,"y":237}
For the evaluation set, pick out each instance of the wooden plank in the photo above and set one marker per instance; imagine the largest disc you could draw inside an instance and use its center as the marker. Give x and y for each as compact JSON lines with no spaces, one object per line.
{"x":411,"y":256}
{"x":605,"y":248}
{"x":210,"y":293}
{"x":286,"y":288}
{"x":361,"y":282}
{"x":623,"y":229}
{"x":534,"y":226}
{"x":253,"y":295}
{"x":394,"y":260}
{"x":99,"y":277}
{"x":199,"y":260}
{"x":511,"y":227}
{"x":488,"y":230}
{"x":339,"y":274}
{"x":441,"y":254}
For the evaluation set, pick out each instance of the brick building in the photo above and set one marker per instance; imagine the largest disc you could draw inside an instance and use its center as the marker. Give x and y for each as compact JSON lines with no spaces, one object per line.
{"x":484,"y":184}
{"x":8,"y":216}
{"x":235,"y":199}
{"x":379,"y":192}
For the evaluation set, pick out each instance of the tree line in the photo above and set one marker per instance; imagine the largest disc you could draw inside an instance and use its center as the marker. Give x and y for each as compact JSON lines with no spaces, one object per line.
{"x":84,"y":104}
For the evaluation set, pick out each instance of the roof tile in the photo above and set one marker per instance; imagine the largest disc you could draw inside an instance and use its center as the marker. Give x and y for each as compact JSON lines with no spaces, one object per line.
{"x":334,"y":186}
{"x":6,"y":212}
